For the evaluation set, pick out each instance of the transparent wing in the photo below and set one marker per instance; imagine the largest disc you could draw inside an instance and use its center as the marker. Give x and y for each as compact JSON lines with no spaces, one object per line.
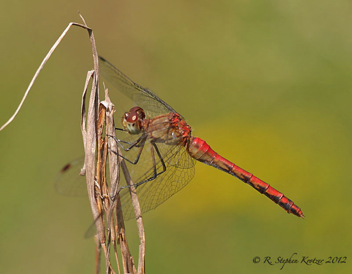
{"x":142,"y":97}
{"x":69,"y":182}
{"x":179,"y":172}
{"x":179,"y":165}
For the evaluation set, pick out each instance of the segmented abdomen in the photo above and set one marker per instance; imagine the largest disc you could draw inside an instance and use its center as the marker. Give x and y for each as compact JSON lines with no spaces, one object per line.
{"x":202,"y":152}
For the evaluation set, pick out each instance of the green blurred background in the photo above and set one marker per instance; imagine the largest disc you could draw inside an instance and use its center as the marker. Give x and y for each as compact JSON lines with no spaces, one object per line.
{"x":266,"y":83}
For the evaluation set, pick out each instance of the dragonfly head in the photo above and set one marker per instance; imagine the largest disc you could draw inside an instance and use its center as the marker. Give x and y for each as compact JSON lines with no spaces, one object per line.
{"x":132,"y":120}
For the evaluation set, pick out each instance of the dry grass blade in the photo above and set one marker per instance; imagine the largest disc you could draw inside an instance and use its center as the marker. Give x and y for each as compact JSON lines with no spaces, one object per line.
{"x":40,"y":68}
{"x":138,"y":214}
{"x":94,"y":120}
{"x":93,"y":137}
{"x":114,"y":162}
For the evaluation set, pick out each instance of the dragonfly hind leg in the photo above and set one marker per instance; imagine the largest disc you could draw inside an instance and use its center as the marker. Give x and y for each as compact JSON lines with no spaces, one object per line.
{"x":156,"y":174}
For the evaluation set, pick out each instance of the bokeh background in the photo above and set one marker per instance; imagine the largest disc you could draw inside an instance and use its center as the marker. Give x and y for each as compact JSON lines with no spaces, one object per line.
{"x":266,"y":83}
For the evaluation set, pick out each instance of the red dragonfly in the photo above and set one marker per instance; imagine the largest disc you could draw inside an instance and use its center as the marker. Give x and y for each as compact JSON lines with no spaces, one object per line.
{"x":170,"y":151}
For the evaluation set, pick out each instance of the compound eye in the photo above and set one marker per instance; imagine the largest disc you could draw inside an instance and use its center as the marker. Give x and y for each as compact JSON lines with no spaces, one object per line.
{"x":133,"y":119}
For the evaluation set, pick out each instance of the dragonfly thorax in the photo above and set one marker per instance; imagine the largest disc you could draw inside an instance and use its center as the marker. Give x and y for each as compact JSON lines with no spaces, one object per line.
{"x":132,"y":120}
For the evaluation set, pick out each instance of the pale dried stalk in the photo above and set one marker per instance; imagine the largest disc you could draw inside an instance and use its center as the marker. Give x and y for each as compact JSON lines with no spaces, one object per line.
{"x":46,"y":58}
{"x":89,"y":128}
{"x":97,"y":254}
{"x":114,"y":162}
{"x":91,"y":138}
{"x":138,"y":214}
{"x":101,"y":195}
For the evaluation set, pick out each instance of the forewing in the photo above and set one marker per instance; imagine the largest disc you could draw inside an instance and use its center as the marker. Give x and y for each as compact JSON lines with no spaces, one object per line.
{"x":69,"y":182}
{"x":179,"y":172}
{"x":142,"y":97}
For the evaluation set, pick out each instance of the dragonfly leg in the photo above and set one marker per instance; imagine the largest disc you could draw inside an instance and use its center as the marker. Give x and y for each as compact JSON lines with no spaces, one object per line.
{"x":140,"y":145}
{"x":121,"y":129}
{"x":154,"y":167}
{"x":161,"y":158}
{"x":132,"y":145}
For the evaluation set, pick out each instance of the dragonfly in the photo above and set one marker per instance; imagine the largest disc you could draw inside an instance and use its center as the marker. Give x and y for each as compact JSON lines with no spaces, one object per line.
{"x":161,"y":152}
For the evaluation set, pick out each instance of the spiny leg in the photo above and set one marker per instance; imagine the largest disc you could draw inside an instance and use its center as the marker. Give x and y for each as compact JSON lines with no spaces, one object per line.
{"x":132,"y":145}
{"x":154,"y":168}
{"x":139,"y":143}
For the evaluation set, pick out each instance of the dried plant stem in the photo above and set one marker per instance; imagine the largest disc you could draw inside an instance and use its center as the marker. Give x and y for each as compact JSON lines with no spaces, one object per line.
{"x":138,"y":214}
{"x":98,"y":147}
{"x":93,"y":137}
{"x":40,"y":68}
{"x":114,"y":161}
{"x":97,"y":255}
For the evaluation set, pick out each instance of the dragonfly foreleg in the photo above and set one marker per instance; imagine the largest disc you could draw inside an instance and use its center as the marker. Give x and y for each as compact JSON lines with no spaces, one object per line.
{"x":135,"y":144}
{"x":154,"y":168}
{"x":121,"y":129}
{"x":132,"y":145}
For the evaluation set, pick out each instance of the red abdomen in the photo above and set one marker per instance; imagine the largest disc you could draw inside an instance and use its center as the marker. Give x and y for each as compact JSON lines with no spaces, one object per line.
{"x":201,"y":151}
